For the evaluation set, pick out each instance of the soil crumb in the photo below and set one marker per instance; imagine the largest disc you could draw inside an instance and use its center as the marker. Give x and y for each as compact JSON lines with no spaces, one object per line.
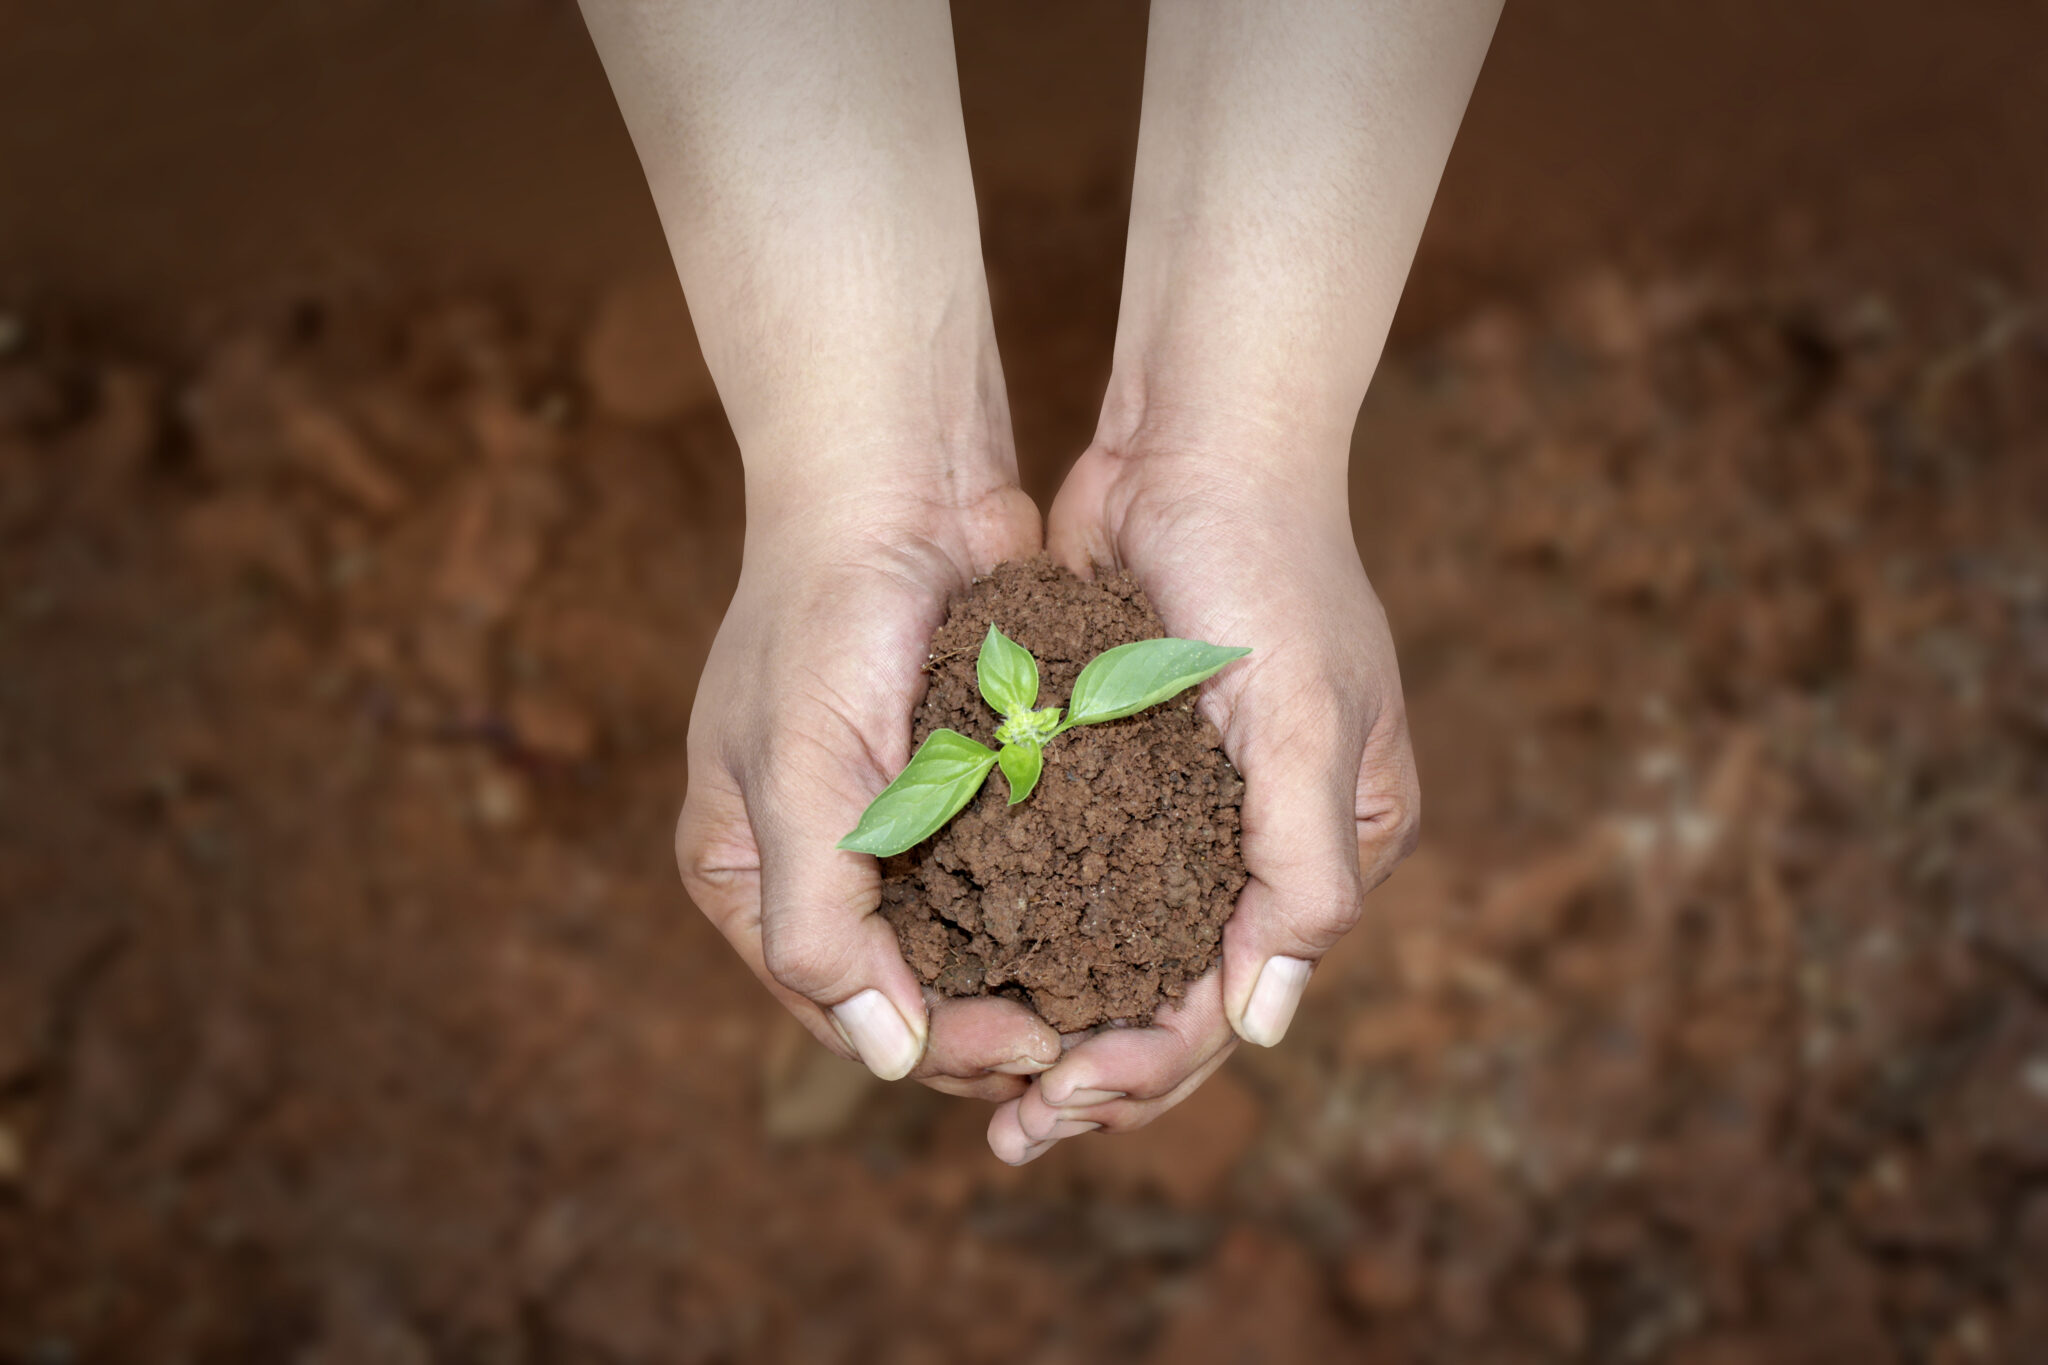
{"x":1104,"y":894}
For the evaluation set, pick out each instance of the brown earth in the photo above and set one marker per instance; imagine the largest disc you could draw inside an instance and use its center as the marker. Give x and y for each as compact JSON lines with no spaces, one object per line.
{"x":1101,"y":896}
{"x":349,"y":1009}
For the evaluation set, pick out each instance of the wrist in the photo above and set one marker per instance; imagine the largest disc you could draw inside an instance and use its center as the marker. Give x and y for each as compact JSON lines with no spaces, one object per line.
{"x":886,"y":499}
{"x":1209,"y":347}
{"x":917,"y":419}
{"x":1183,"y":430}
{"x":898,"y":483}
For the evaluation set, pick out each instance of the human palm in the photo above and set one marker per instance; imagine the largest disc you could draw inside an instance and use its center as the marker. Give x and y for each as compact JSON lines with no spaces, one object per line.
{"x":1313,"y":720}
{"x":802,"y":714}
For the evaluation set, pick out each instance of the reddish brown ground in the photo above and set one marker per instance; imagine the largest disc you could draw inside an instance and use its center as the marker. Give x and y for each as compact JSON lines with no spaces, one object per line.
{"x":349,"y":1010}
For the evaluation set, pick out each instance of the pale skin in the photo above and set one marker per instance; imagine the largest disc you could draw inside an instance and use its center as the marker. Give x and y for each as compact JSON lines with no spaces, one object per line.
{"x":811,"y":171}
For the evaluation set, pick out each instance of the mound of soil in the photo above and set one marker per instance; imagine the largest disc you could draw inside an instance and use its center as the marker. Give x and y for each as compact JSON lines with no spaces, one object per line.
{"x":1105,"y":893}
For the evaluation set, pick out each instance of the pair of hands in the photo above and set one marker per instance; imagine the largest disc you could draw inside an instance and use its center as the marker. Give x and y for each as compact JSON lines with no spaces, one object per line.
{"x":803,"y":714}
{"x":814,"y":182}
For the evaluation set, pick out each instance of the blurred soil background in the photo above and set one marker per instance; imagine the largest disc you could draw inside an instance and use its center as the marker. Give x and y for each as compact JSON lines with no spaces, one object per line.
{"x":365,"y":515}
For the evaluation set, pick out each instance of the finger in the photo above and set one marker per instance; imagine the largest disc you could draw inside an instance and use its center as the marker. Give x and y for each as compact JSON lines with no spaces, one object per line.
{"x":801,"y":912}
{"x":980,"y":1049}
{"x":1018,"y":1136}
{"x":968,"y":1039}
{"x":1121,"y":1115}
{"x":1008,"y":1140}
{"x":1138,"y":1064}
{"x":1076,"y":530}
{"x":1389,"y":800}
{"x":1010,"y":1143}
{"x":821,"y":937}
{"x":721,"y":871}
{"x":985,"y":1047}
{"x":990,"y":1086}
{"x":1305,"y":892}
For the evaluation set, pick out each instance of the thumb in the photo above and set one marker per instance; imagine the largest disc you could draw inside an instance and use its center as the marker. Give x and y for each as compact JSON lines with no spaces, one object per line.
{"x":1305,"y":890}
{"x":1076,"y":532}
{"x":821,"y":937}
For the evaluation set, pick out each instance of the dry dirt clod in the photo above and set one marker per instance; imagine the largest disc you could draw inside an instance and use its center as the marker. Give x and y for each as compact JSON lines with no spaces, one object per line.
{"x":1188,"y":1155}
{"x":330,"y":449}
{"x":551,"y":726}
{"x":806,"y":1091}
{"x":640,"y":358}
{"x":1386,"y":1276}
{"x":501,"y":799}
{"x":126,"y":426}
{"x":242,"y":534}
{"x":504,"y":431}
{"x":497,"y":539}
{"x":13,"y":1158}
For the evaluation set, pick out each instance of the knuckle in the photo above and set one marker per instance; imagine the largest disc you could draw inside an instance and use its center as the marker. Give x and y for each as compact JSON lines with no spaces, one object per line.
{"x":1408,"y":834}
{"x":1328,"y":918}
{"x":689,"y":846}
{"x":794,"y":965}
{"x":714,"y":860}
{"x":799,"y":964}
{"x":1308,"y":917}
{"x":1391,"y":832}
{"x":1142,"y":1110}
{"x":1314,"y":919}
{"x":694,"y":861}
{"x":1404,"y":824}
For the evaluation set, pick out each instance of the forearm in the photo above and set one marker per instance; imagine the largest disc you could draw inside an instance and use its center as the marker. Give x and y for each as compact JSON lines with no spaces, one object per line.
{"x":1287,"y":157}
{"x":810,"y":168}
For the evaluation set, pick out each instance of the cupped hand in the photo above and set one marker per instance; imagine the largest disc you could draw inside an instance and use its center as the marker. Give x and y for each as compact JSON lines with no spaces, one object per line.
{"x":802,"y":715}
{"x":1253,"y":547}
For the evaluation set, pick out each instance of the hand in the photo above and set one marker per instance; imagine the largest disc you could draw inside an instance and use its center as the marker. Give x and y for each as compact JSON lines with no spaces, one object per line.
{"x":816,"y":194}
{"x":803,"y":713}
{"x":1260,"y":553}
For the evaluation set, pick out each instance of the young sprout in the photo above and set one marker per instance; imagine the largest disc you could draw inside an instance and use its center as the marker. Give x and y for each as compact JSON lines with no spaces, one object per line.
{"x":949,"y":768}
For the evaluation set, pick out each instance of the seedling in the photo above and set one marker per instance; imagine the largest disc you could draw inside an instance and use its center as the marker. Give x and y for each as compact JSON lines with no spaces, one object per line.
{"x":949,"y":768}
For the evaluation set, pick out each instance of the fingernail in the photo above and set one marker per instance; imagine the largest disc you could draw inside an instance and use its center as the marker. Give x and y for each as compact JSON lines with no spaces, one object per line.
{"x":885,"y":1042}
{"x":1079,"y":1098}
{"x":1023,"y":1066}
{"x":1275,"y":996}
{"x":1067,"y":1128}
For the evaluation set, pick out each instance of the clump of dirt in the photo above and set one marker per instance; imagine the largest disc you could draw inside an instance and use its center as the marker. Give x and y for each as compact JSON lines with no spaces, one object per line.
{"x":1102,"y":896}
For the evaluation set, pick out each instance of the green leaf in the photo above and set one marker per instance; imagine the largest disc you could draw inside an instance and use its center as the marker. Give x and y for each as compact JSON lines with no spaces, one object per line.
{"x":1021,"y":764}
{"x":941,"y":777}
{"x":1007,"y":673}
{"x":1124,"y":681}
